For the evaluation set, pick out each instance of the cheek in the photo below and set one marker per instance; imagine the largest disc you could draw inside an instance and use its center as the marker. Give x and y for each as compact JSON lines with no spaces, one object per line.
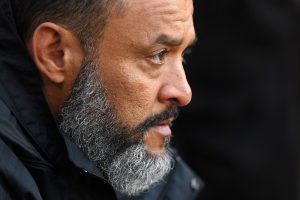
{"x":135,"y":103}
{"x":132,"y":95}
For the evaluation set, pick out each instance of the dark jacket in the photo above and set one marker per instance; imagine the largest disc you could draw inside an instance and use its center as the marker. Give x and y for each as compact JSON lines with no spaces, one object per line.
{"x":37,"y":161}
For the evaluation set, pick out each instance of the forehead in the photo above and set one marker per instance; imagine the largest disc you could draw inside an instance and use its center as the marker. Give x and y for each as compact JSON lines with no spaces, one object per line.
{"x":176,"y":9}
{"x":146,"y":18}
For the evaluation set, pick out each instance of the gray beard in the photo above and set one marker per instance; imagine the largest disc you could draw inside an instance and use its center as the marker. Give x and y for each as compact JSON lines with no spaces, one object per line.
{"x":91,"y":123}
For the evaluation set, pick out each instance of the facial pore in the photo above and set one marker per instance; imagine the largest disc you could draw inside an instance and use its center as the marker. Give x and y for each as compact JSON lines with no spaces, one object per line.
{"x":91,"y":123}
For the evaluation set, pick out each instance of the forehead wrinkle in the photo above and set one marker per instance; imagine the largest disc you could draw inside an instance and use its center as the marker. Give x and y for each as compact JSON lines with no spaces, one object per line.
{"x":174,"y":16}
{"x":171,"y":17}
{"x":179,"y":28}
{"x":167,"y":8}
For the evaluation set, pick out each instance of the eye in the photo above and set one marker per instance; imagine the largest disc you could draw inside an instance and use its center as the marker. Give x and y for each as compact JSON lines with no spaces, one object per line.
{"x":185,"y":55}
{"x":159,"y":57}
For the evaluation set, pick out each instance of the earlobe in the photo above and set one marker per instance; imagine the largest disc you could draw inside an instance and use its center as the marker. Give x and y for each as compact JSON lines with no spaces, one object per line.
{"x":57,"y":54}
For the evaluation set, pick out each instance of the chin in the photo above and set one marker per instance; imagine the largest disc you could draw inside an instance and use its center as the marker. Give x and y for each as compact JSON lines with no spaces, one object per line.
{"x":157,"y":152}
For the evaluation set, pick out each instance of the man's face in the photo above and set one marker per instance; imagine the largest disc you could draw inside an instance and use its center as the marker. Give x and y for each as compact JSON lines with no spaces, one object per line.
{"x":141,"y":63}
{"x":124,"y":100}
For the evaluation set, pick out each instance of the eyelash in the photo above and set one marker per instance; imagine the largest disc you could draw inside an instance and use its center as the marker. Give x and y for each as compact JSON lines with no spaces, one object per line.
{"x":163,"y":53}
{"x":158,"y":57}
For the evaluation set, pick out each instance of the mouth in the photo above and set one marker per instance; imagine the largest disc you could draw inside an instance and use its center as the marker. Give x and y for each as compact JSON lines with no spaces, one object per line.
{"x":163,"y":128}
{"x":156,"y":137}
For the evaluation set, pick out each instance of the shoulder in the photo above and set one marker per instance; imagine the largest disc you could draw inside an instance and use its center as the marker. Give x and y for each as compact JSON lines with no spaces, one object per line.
{"x":14,"y":135}
{"x":15,"y":180}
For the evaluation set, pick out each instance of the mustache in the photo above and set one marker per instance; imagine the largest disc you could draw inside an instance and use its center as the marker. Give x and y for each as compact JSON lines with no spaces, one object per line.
{"x":169,"y":112}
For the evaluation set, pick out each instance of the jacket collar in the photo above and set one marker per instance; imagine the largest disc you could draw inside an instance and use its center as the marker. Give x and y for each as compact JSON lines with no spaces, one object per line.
{"x":21,"y":90}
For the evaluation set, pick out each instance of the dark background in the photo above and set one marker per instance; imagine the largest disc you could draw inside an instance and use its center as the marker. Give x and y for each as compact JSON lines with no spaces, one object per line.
{"x":241,"y":131}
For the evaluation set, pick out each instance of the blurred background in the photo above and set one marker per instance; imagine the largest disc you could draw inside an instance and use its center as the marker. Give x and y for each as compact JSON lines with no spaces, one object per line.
{"x":241,"y":132}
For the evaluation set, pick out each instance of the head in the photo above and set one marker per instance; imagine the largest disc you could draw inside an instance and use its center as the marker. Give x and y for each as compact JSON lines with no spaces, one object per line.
{"x":113,"y":77}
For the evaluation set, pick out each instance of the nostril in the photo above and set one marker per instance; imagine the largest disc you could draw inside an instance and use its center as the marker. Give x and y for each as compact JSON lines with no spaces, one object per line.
{"x":174,"y":102}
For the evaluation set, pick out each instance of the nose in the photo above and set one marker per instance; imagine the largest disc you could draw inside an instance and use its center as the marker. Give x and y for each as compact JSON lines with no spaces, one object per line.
{"x":176,"y":89}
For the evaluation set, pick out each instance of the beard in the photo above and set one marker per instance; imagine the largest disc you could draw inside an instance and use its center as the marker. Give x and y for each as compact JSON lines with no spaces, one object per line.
{"x":119,"y":151}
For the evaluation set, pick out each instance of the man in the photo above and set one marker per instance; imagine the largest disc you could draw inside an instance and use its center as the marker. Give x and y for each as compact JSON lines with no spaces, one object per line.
{"x":89,"y":90}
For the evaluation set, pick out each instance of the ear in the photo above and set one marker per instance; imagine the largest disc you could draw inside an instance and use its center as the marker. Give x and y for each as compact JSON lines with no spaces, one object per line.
{"x":56,"y":53}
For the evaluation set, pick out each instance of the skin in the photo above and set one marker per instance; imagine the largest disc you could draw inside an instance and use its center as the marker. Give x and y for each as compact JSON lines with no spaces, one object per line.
{"x":140,"y":62}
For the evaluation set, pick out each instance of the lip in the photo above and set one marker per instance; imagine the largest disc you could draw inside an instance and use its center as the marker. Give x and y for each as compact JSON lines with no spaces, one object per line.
{"x":163,"y":128}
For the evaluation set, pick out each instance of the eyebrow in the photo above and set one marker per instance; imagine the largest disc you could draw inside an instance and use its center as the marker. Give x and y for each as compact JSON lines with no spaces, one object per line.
{"x":169,"y":41}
